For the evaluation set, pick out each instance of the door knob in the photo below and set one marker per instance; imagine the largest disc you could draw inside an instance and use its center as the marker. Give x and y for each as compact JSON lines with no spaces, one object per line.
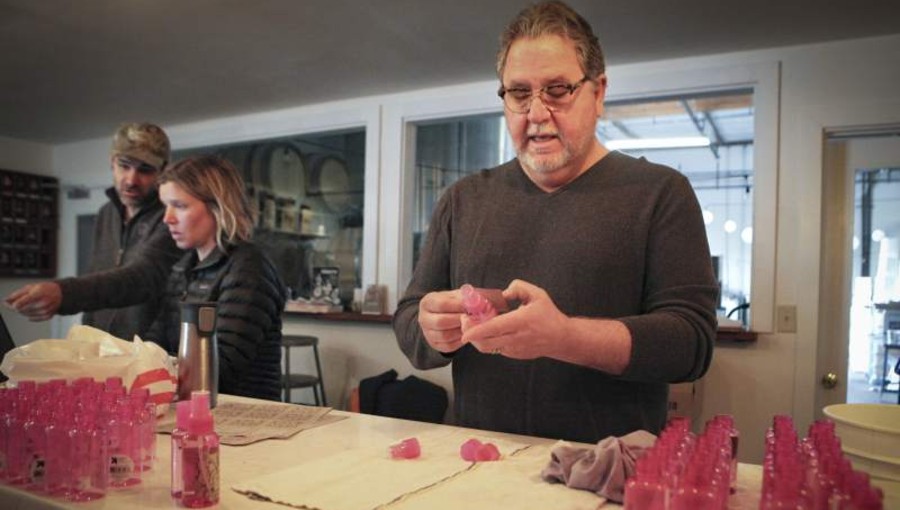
{"x":829,"y":380}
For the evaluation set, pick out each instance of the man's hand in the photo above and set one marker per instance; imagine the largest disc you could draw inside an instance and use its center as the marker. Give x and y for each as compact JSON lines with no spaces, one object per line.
{"x":535,"y":329}
{"x":439,"y":318}
{"x":38,"y":301}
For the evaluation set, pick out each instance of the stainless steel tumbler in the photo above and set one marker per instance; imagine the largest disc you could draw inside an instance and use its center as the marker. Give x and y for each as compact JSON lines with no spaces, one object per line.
{"x":198,"y":351}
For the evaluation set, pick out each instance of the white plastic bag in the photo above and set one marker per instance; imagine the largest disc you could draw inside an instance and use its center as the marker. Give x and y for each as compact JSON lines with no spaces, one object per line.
{"x":90,"y":352}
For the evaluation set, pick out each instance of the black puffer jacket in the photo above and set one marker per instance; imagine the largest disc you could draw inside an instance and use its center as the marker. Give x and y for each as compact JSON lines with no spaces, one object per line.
{"x":250,"y":297}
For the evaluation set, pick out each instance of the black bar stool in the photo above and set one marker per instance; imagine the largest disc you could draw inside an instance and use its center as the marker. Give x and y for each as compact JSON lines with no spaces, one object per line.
{"x":290,"y":380}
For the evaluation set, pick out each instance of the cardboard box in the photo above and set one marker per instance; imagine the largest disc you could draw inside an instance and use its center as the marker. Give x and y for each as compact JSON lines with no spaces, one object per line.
{"x":685,"y":400}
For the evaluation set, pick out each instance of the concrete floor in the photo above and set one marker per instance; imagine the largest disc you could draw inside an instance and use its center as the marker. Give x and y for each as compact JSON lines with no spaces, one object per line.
{"x":861,"y":392}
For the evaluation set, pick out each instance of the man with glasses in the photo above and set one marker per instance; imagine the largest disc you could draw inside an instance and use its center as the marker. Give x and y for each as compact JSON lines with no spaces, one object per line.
{"x":128,"y":234}
{"x":603,"y":258}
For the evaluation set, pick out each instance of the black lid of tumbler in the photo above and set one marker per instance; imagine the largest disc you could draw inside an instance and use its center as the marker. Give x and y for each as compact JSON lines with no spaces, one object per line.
{"x":201,"y":313}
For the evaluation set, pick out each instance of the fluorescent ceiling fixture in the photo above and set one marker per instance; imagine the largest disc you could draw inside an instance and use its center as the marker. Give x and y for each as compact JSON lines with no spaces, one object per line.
{"x":678,"y":142}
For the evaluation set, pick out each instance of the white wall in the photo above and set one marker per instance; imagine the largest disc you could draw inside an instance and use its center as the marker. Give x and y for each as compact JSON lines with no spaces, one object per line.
{"x":24,"y":156}
{"x":350,"y":352}
{"x":84,"y":165}
{"x":34,"y":158}
{"x":826,"y":85}
{"x":823,"y":87}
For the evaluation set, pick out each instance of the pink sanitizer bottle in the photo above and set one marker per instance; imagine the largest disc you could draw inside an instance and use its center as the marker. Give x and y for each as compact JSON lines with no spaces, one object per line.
{"x":200,"y":456}
{"x":182,"y":417}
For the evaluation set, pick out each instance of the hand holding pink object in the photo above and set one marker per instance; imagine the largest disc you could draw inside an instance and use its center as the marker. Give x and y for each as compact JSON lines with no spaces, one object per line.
{"x":478,"y":307}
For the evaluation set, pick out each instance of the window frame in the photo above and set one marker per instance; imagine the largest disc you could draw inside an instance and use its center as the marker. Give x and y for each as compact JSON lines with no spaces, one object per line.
{"x":399,"y":116}
{"x":322,"y":118}
{"x":640,"y":81}
{"x":629,"y":82}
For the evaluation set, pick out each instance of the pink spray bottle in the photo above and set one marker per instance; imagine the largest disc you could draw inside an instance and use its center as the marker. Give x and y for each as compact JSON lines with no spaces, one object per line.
{"x":200,"y":456}
{"x":182,"y":417}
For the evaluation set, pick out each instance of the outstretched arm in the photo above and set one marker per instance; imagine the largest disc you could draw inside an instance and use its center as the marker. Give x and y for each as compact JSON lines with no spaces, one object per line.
{"x":136,"y":282}
{"x":36,"y":301}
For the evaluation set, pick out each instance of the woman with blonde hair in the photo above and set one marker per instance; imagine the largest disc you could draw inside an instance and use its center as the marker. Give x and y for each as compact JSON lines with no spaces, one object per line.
{"x":207,"y":213}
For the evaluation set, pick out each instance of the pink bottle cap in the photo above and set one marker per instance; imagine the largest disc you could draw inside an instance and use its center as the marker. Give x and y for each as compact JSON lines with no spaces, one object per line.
{"x":201,"y":420}
{"x":182,"y":414}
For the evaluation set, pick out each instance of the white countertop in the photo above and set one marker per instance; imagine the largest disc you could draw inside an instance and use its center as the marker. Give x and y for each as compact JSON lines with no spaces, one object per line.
{"x":358,"y":431}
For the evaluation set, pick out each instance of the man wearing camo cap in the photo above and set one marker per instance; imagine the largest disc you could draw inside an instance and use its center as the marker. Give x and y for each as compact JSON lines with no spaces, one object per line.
{"x":129,"y":234}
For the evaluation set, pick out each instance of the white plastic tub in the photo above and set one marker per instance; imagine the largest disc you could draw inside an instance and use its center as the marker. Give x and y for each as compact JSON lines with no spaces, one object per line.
{"x":870,"y":436}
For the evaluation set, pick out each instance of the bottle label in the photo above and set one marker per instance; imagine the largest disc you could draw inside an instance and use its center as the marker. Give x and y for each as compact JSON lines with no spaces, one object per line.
{"x":36,"y":470}
{"x":82,"y":483}
{"x":210,"y":472}
{"x":120,"y":467}
{"x":201,"y":475}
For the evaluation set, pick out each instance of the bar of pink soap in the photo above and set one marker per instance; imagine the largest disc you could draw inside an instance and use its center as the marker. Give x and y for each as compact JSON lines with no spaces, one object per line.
{"x":474,"y":450}
{"x":479,"y":305}
{"x":487,"y":452}
{"x":406,"y":449}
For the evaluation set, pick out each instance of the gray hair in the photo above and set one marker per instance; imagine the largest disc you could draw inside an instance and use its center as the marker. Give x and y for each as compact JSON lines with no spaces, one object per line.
{"x":554,"y":18}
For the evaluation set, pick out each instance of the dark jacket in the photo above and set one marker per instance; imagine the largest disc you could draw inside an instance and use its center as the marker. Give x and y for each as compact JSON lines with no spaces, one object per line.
{"x":128,"y":270}
{"x":410,"y":399}
{"x":250,"y":297}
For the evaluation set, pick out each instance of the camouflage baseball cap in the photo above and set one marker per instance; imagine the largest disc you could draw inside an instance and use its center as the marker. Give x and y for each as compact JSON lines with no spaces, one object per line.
{"x":142,"y":141}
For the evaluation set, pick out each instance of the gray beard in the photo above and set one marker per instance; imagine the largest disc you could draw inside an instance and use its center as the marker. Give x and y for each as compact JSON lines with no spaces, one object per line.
{"x":544,"y":165}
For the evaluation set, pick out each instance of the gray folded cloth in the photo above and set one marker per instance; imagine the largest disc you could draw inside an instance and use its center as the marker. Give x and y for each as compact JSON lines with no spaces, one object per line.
{"x":602,"y":469}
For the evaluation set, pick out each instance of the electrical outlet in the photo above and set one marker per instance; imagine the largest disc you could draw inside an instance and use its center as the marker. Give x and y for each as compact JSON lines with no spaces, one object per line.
{"x":787,"y":319}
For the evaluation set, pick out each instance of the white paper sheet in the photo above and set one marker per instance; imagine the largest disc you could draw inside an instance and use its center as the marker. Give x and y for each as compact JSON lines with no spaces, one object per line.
{"x":367,"y":478}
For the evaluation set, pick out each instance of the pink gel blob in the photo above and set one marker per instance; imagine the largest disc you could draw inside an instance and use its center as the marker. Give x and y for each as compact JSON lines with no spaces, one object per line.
{"x":406,"y":449}
{"x":469,"y":450}
{"x":474,"y":450}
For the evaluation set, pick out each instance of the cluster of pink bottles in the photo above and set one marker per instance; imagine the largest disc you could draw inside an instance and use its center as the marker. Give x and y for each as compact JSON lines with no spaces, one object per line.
{"x":684,"y":471}
{"x":195,"y":453}
{"x":75,"y":441}
{"x":812,"y":473}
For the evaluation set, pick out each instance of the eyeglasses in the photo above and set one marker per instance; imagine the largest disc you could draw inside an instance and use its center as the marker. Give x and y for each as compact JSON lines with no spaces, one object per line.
{"x":554,"y":97}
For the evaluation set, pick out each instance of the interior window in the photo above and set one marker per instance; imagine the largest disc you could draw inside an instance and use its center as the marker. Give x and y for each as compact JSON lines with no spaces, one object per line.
{"x":708,"y":137}
{"x":309,"y":193}
{"x":448,"y":150}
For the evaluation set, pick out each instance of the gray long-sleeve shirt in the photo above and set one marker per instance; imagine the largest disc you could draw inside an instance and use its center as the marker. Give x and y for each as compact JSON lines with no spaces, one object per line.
{"x":624,"y":240}
{"x":128,"y":270}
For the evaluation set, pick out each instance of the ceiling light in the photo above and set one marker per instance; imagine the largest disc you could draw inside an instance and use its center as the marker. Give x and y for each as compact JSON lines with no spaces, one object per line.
{"x":730,"y":226}
{"x":708,"y":216}
{"x":680,"y":142}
